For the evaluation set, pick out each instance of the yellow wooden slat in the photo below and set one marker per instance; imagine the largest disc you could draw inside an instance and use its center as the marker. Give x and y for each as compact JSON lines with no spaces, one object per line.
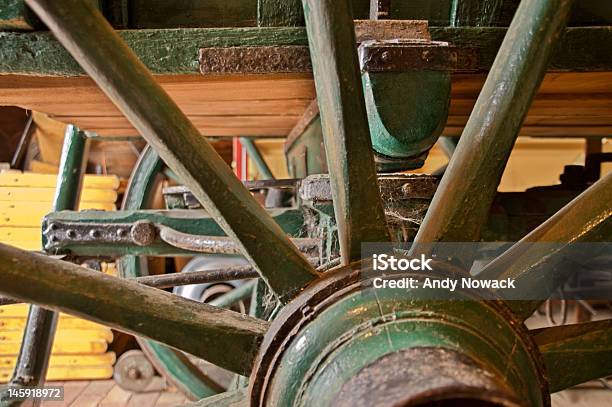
{"x":21,"y":310}
{"x":98,"y":346}
{"x":19,"y":179}
{"x":12,"y":234}
{"x":46,"y":195}
{"x":80,"y":360}
{"x":43,"y":167}
{"x":30,"y":214}
{"x":30,"y":246}
{"x":68,"y":373}
{"x":66,"y":334}
{"x":18,"y":323}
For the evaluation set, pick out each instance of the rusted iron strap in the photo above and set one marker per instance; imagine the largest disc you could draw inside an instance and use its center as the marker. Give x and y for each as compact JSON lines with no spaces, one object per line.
{"x":416,"y":56}
{"x":225,"y":245}
{"x":375,"y":57}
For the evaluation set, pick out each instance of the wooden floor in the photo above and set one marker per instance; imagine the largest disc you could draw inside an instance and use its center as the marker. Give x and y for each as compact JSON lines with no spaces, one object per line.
{"x":106,"y":393}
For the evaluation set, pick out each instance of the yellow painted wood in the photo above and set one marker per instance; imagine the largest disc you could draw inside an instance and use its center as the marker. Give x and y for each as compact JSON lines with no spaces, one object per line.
{"x":43,"y":167}
{"x":56,"y":373}
{"x":18,"y":323}
{"x":29,"y":179}
{"x":97,"y":346}
{"x":30,"y":214}
{"x":46,"y":195}
{"x":63,"y":335}
{"x":108,"y":358}
{"x":31,"y":245}
{"x":15,"y":234}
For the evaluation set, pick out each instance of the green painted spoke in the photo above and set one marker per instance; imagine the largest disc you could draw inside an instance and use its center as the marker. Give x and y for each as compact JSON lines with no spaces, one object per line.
{"x":257,"y":158}
{"x":33,"y":360}
{"x":225,"y":338}
{"x":575,"y":354}
{"x":170,"y":363}
{"x":126,"y":81}
{"x":357,"y":204}
{"x":536,"y":261}
{"x":463,"y":199}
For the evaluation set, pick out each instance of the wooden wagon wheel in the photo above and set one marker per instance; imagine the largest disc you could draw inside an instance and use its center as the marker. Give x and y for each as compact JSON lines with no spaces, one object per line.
{"x":170,"y":363}
{"x":336,"y":338}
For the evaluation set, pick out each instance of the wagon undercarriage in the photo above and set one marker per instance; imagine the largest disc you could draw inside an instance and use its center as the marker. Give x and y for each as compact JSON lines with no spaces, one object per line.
{"x":319,"y":332}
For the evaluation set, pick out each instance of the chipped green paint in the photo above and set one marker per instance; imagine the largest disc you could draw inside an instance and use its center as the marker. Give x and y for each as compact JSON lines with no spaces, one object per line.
{"x":196,"y":222}
{"x":132,"y":88}
{"x":468,"y":187}
{"x":175,"y":51}
{"x":225,"y":338}
{"x":192,"y":13}
{"x":14,"y":15}
{"x":575,"y":354}
{"x":539,"y":268}
{"x":172,"y":364}
{"x":279,"y":13}
{"x":352,"y":329}
{"x":400,"y":126}
{"x":162,"y":51}
{"x":33,"y":359}
{"x":357,"y":204}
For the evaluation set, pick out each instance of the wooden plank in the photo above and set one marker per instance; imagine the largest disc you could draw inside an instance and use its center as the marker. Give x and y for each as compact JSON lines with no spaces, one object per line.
{"x":116,"y":397}
{"x":86,"y":334}
{"x":175,"y":51}
{"x":76,"y":346}
{"x":46,"y":194}
{"x":561,"y":94}
{"x":548,"y":131}
{"x":19,"y":179}
{"x":18,"y":323}
{"x":170,"y":399}
{"x":12,"y":214}
{"x":93,"y":393}
{"x":69,"y":373}
{"x":279,"y":13}
{"x":14,"y":15}
{"x":72,"y":390}
{"x":8,"y":234}
{"x":144,"y":399}
{"x":208,"y":125}
{"x":192,"y":13}
{"x":108,"y":358}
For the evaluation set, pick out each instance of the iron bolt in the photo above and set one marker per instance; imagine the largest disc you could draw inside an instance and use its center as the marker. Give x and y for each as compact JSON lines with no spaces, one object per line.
{"x":143,"y":233}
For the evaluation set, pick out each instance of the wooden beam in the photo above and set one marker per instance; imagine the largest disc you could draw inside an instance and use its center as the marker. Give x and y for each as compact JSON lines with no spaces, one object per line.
{"x":176,"y":51}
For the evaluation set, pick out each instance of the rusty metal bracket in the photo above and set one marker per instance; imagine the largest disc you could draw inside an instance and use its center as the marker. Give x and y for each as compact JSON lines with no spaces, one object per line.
{"x":145,"y":233}
{"x":415,"y":55}
{"x":296,"y":58}
{"x":393,"y":187}
{"x":141,"y":233}
{"x":255,"y":60}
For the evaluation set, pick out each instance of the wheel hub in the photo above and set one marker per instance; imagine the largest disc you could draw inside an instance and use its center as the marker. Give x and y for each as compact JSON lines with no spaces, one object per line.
{"x":343,"y":342}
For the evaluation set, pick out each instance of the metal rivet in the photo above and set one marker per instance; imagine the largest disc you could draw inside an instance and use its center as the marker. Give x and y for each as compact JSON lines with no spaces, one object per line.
{"x":143,"y":233}
{"x":71,"y":234}
{"x":385,"y":56}
{"x":94,"y":234}
{"x":121,"y":232}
